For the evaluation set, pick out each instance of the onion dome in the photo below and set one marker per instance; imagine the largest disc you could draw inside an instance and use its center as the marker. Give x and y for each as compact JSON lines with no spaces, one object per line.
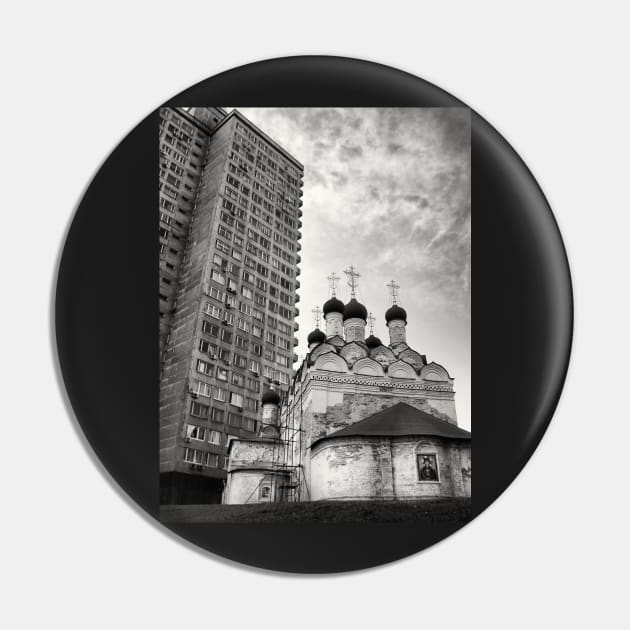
{"x":373,"y":342}
{"x":354,"y":309}
{"x":395,"y":312}
{"x":270,"y":397}
{"x":333,"y":305}
{"x":316,"y":336}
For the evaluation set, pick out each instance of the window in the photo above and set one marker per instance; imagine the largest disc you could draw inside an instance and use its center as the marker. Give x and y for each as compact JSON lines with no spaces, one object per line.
{"x":243,"y":325}
{"x":253,"y":385}
{"x":253,"y":366}
{"x":234,"y":420}
{"x":211,"y":460}
{"x":257,"y":331}
{"x":225,"y":233}
{"x":252,"y":404}
{"x":238,"y":379}
{"x":206,"y":347}
{"x":214,"y":437}
{"x":249,"y":424}
{"x":210,"y":329}
{"x":240,"y":361}
{"x":195,"y":433}
{"x":226,"y":335}
{"x":217,"y":276}
{"x":204,"y":367}
{"x":219,"y":394}
{"x":248,"y":293}
{"x":270,"y":337}
{"x":202,"y":389}
{"x":283,"y":378}
{"x":265,"y":492}
{"x":236,"y":399}
{"x":241,"y":342}
{"x":222,"y":374}
{"x":215,"y":293}
{"x":193,"y":456}
{"x":249,"y":277}
{"x":213,"y":311}
{"x":224,"y":354}
{"x":282,"y":360}
{"x":223,"y":247}
{"x":284,"y":343}
{"x":217,"y":415}
{"x":198,"y":410}
{"x":257,"y":349}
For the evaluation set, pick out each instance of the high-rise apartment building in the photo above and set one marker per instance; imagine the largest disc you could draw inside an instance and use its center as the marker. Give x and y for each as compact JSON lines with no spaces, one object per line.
{"x":230,"y":208}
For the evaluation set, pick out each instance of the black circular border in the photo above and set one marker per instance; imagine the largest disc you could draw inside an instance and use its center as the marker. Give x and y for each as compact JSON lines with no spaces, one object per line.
{"x":522,"y":312}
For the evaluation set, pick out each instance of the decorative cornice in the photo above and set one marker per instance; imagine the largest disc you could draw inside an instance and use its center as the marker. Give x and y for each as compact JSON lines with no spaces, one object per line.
{"x":351,"y":379}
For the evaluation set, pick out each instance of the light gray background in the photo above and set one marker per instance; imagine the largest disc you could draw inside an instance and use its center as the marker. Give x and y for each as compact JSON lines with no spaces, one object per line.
{"x":552,"y":552}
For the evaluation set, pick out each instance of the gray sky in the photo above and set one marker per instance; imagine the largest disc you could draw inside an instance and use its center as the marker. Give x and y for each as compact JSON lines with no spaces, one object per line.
{"x":388,"y":191}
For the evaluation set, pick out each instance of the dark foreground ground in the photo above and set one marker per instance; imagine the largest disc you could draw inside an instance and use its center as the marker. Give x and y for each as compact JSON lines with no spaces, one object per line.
{"x":428,"y":510}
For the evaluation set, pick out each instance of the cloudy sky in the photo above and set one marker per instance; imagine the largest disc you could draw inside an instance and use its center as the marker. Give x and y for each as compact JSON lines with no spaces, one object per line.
{"x":388,"y":191}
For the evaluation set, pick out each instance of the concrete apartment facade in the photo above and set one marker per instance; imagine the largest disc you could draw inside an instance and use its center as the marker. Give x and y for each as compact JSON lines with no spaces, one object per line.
{"x":230,"y":219}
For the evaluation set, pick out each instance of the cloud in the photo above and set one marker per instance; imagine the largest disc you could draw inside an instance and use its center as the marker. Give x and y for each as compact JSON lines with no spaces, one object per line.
{"x":387,"y":190}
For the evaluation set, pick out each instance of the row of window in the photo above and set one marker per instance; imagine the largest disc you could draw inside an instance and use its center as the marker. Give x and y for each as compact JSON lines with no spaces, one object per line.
{"x":205,"y":412}
{"x":243,"y":344}
{"x":201,"y":458}
{"x":258,"y":298}
{"x":209,"y":369}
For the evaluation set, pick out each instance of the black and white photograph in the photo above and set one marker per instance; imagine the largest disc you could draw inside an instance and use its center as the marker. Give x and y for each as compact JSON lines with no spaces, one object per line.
{"x":314,"y":314}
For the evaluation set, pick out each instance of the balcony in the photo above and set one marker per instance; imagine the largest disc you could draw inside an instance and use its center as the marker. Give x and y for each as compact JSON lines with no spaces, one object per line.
{"x":299,"y":224}
{"x":295,"y":358}
{"x":298,"y":284}
{"x":297,"y":272}
{"x":298,"y":247}
{"x":298,"y":259}
{"x":300,"y":212}
{"x":296,"y":326}
{"x":296,"y":341}
{"x":297,"y":298}
{"x":297,"y":312}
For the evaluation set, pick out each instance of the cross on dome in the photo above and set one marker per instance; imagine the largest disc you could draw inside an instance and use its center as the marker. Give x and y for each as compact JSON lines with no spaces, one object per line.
{"x":371,"y":320}
{"x":316,"y":315}
{"x":352,"y":274}
{"x":333,"y":281}
{"x":393,"y":290}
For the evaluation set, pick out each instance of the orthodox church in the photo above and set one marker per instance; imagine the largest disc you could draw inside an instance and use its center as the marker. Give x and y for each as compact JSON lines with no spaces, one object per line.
{"x":363,"y":420}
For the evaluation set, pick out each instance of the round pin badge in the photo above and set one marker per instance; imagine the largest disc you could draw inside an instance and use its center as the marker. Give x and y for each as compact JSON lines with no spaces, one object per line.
{"x":292,"y":358}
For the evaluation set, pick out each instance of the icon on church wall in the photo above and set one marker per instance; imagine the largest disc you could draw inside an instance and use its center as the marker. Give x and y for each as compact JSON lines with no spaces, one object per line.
{"x":428,"y":468}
